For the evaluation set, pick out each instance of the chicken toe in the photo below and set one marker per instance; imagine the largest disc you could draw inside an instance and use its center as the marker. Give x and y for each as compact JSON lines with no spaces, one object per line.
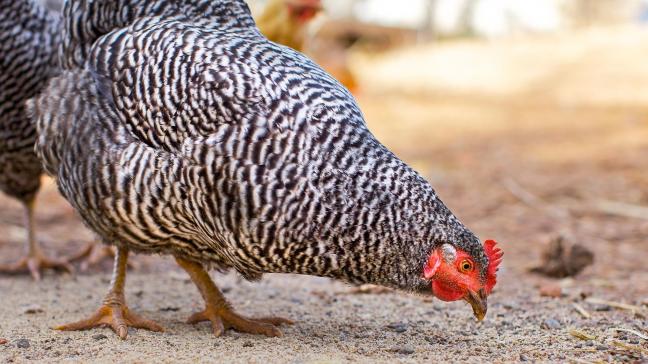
{"x":222,"y":318}
{"x":94,"y":254}
{"x":113,"y":312}
{"x":34,"y":262}
{"x":35,"y":259}
{"x":219,"y":312}
{"x":117,"y":316}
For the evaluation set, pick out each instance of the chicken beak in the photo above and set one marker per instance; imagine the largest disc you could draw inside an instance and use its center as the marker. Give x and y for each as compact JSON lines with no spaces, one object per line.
{"x":478,"y":302}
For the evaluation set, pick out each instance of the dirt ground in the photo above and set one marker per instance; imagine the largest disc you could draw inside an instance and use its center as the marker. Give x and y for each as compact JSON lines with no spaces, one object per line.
{"x":527,"y":140}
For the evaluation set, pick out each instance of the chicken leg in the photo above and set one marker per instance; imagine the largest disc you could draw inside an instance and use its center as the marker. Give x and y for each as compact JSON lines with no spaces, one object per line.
{"x":35,"y":259}
{"x":219,"y":312}
{"x":94,"y":254}
{"x":114,"y":312}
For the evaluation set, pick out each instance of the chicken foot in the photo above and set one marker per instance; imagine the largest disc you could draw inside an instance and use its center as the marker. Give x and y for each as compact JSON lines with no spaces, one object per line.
{"x":219,"y":312}
{"x":114,"y":312}
{"x":35,"y":259}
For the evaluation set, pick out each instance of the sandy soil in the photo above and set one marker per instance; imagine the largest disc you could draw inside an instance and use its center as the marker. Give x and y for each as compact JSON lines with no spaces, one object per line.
{"x":525,"y":163}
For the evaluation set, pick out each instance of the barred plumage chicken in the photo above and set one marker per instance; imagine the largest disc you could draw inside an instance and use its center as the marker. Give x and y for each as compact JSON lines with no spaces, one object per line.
{"x":29,"y":39}
{"x":285,"y":21}
{"x":179,"y":129}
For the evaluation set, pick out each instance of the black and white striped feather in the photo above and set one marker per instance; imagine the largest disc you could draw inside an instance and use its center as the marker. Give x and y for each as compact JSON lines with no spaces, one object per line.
{"x":29,"y":38}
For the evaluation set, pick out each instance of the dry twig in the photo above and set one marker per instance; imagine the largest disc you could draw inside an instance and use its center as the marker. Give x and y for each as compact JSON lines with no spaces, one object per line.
{"x":581,"y":335}
{"x":629,"y":347}
{"x":635,"y":332}
{"x":581,"y":310}
{"x":576,"y":360}
{"x":620,"y":305}
{"x":367,"y":289}
{"x":532,"y":200}
{"x":622,"y":209}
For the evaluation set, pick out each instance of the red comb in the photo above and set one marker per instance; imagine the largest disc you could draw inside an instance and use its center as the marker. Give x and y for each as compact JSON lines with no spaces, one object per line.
{"x":494,"y":255}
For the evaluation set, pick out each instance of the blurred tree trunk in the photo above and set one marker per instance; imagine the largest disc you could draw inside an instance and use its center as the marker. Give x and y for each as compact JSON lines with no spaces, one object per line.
{"x":467,"y":17}
{"x":428,"y":30}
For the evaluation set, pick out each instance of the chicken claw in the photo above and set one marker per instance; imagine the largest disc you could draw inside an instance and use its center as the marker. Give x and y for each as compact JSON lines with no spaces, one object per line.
{"x":34,"y":262}
{"x":35,"y":259}
{"x":219,"y":312}
{"x":224,"y":318}
{"x":114,"y":312}
{"x":117,"y":316}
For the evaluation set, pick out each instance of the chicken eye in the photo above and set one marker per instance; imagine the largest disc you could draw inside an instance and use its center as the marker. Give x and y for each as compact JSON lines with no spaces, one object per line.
{"x":466,"y":266}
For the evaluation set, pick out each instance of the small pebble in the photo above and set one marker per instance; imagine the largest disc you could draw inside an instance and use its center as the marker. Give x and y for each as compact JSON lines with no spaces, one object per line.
{"x":248,"y":344}
{"x":550,"y":290}
{"x":99,"y":337}
{"x":30,"y":310}
{"x":170,"y":309}
{"x":551,"y":324}
{"x":601,"y":347}
{"x":3,"y":341}
{"x":524,"y":357}
{"x":23,"y":343}
{"x":601,"y":308}
{"x":406,"y":350}
{"x":398,"y":327}
{"x":363,"y":335}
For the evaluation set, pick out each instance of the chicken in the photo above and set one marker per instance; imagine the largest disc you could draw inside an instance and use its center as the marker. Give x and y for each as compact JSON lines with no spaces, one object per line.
{"x":30,"y":34}
{"x":29,"y":37}
{"x":177,"y":128}
{"x":285,"y":21}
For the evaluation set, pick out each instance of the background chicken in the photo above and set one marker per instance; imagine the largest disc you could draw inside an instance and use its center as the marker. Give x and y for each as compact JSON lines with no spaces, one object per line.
{"x":187,"y":133}
{"x":30,"y":34}
{"x":285,"y":21}
{"x":29,"y":37}
{"x":288,"y":22}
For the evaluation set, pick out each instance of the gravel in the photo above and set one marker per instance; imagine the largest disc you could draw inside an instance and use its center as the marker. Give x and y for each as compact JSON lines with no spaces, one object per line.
{"x":22,"y":343}
{"x":398,"y":327}
{"x":551,"y":324}
{"x":99,"y":337}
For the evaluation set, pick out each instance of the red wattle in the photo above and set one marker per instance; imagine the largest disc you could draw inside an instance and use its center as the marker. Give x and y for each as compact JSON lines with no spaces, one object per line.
{"x":445,"y":292}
